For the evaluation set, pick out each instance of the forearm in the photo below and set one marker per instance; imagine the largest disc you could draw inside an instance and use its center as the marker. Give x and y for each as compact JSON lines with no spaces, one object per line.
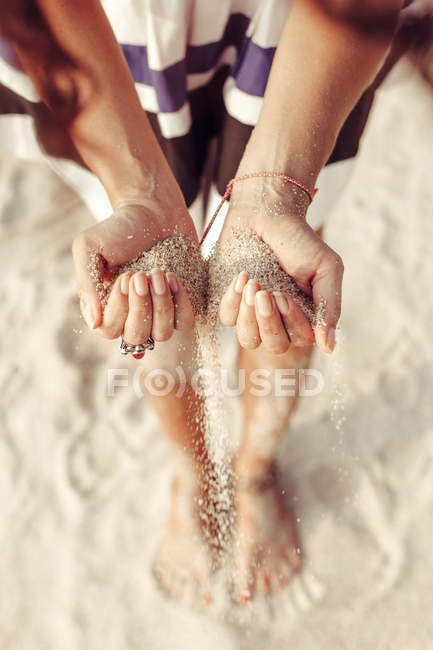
{"x":322,"y":65}
{"x":91,"y":94}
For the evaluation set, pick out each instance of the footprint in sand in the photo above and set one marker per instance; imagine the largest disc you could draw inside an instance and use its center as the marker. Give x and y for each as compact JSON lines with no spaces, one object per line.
{"x":357,"y":503}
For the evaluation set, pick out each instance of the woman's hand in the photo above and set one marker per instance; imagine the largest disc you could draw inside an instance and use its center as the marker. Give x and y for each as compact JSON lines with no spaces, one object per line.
{"x":306,"y":102}
{"x":274,"y":319}
{"x":139,"y":305}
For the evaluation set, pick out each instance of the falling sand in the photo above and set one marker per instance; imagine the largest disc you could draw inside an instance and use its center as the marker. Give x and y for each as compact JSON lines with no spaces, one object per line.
{"x":206,"y":282}
{"x":85,"y":475}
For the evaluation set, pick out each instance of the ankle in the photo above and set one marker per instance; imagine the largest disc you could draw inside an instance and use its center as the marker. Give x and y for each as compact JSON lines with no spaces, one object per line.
{"x":199,"y":468}
{"x":253,"y":467}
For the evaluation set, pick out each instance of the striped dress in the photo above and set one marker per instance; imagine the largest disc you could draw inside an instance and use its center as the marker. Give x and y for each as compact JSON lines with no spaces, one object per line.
{"x":200,"y":68}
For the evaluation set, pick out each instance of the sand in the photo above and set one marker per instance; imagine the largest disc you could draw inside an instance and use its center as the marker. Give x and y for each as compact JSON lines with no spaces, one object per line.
{"x":175,"y":254}
{"x":206,"y":282}
{"x":245,"y":251}
{"x":85,"y":477}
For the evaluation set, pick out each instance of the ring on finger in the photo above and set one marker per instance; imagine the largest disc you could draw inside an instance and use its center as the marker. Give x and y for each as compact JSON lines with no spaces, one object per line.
{"x":137,"y":351}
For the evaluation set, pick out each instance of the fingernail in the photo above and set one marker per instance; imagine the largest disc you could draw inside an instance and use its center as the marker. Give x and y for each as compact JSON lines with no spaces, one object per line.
{"x":89,"y":315}
{"x":331,"y":339}
{"x":282,"y":303}
{"x":158,"y":282}
{"x":240,"y":282}
{"x":124,"y":284}
{"x":264,"y":303}
{"x":250,"y":293}
{"x":172,"y":282}
{"x":140,"y":284}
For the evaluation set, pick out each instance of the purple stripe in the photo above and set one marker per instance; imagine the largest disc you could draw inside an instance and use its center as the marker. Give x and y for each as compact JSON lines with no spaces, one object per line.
{"x":252,"y":68}
{"x":201,"y":58}
{"x":170,"y":83}
{"x":7,"y":53}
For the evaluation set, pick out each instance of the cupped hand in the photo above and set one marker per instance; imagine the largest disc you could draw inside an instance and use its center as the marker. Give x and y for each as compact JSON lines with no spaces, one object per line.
{"x":139,"y":305}
{"x":274,"y":319}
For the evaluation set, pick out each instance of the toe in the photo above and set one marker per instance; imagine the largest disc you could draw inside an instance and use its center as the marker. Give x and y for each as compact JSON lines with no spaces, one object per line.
{"x":275,"y":585}
{"x":161,"y":577}
{"x":295,"y":557}
{"x":243,"y":583}
{"x":285,"y":571}
{"x":262,"y":582}
{"x":206,"y":598}
{"x":178,"y":587}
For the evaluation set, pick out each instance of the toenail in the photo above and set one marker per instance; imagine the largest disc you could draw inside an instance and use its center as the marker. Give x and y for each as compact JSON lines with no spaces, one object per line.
{"x":245,"y":597}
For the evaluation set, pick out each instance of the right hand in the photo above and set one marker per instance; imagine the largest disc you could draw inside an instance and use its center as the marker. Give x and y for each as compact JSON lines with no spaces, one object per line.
{"x":139,"y":305}
{"x":276,"y":321}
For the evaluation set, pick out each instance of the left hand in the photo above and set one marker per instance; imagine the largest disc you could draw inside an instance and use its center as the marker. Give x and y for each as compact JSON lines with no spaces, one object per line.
{"x":138,"y":305}
{"x":275,"y":320}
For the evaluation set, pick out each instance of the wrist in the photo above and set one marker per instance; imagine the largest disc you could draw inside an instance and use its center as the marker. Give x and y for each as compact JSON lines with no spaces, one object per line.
{"x":150,"y":183}
{"x":281,"y":148}
{"x":119,"y":146}
{"x":269,"y":198}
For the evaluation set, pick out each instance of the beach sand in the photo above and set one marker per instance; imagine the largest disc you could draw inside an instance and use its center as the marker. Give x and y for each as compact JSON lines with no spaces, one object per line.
{"x":85,"y":477}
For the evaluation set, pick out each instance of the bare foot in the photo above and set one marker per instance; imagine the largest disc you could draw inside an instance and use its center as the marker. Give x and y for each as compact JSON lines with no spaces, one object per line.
{"x":266,"y":551}
{"x":186,"y":557}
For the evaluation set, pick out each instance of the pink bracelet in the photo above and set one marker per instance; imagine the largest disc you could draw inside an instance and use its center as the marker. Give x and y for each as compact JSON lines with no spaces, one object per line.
{"x":229,"y":188}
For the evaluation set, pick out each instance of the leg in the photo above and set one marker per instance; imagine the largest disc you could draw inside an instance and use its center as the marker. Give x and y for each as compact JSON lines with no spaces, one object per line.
{"x":187,"y":551}
{"x":159,"y":305}
{"x":266,"y":549}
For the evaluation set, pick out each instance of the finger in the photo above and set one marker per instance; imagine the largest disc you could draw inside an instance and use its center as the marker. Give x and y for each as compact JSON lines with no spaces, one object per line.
{"x":89,"y":268}
{"x":183,"y":313}
{"x":326,"y":286}
{"x":294,"y":320}
{"x":116,"y":309}
{"x":163,"y":309}
{"x":246,"y":325}
{"x":138,"y":323}
{"x":231,"y":300}
{"x":274,"y":336}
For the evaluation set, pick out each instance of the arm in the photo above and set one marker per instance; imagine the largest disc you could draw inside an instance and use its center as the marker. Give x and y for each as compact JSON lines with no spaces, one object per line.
{"x":327,"y":55}
{"x":70,"y":52}
{"x":322,"y":65}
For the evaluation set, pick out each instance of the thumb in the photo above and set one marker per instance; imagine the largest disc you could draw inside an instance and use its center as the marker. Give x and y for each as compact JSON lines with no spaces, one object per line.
{"x":89,"y":270}
{"x":326,"y":286}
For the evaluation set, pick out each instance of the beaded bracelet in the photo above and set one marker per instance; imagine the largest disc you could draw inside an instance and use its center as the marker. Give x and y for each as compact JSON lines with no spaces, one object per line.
{"x":229,"y":188}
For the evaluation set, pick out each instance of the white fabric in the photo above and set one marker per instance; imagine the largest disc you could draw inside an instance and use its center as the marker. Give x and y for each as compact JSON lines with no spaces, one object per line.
{"x":18,"y":139}
{"x":166,"y":27}
{"x":17,"y":81}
